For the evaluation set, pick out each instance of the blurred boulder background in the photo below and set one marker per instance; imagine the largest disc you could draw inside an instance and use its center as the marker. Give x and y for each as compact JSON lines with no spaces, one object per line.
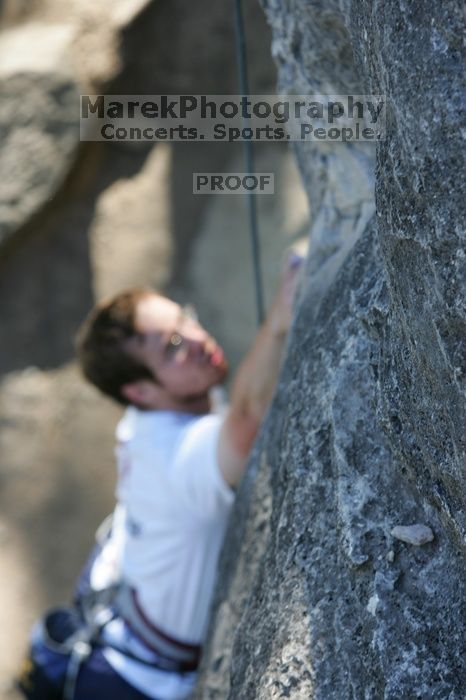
{"x":82,"y":220}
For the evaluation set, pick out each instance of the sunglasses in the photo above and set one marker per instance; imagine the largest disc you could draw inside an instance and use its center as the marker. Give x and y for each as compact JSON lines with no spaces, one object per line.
{"x":176,"y":342}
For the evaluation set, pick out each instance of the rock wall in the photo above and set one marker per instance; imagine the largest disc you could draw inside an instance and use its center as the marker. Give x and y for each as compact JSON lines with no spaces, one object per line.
{"x":323,"y":593}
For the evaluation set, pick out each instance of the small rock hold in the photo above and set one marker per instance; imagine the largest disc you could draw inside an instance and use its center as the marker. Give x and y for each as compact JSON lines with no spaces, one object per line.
{"x":391,"y":556}
{"x":413,"y":534}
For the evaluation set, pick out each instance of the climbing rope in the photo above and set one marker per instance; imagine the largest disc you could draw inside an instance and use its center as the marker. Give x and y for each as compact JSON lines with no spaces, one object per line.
{"x":249,"y":161}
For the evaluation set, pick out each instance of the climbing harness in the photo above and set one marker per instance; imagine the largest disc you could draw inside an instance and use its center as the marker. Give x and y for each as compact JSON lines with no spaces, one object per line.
{"x":64,"y":639}
{"x":249,"y":160}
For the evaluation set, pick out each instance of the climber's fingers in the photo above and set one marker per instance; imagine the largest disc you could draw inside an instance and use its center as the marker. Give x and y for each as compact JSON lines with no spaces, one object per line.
{"x":291,"y":275}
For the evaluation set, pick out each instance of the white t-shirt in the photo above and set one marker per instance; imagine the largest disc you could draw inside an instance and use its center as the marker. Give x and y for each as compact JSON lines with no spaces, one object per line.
{"x":169,"y":524}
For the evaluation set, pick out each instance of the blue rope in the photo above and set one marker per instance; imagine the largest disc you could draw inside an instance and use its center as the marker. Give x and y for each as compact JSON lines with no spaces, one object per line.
{"x":248,"y":152}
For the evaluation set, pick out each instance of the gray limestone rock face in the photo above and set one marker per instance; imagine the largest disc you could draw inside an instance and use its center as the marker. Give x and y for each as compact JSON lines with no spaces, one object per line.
{"x":343,"y":573}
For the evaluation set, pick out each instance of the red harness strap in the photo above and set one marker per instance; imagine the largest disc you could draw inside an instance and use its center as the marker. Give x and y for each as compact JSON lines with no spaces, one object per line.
{"x":186,"y":656}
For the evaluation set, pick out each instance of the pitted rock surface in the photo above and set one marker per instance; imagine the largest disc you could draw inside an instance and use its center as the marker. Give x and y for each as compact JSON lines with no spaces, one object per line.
{"x":317,"y":597}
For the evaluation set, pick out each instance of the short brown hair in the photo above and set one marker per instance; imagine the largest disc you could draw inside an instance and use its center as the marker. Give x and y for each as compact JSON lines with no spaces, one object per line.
{"x":100,"y":344}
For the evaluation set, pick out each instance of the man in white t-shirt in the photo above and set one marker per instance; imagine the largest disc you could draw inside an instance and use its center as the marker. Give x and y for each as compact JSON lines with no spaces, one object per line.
{"x":178,"y":465}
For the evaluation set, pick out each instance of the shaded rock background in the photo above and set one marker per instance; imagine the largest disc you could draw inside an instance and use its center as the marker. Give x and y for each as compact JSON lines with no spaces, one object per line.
{"x":317,"y":597}
{"x":78,"y":221}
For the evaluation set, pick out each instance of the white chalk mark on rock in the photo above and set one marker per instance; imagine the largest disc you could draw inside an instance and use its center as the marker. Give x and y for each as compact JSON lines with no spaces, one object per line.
{"x":372,"y":604}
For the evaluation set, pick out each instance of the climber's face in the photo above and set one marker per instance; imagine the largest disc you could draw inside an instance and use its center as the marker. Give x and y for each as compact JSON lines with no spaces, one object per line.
{"x":184,"y":359}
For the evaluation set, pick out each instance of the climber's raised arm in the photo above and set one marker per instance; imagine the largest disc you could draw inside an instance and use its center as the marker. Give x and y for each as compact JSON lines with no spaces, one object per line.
{"x":256,"y":378}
